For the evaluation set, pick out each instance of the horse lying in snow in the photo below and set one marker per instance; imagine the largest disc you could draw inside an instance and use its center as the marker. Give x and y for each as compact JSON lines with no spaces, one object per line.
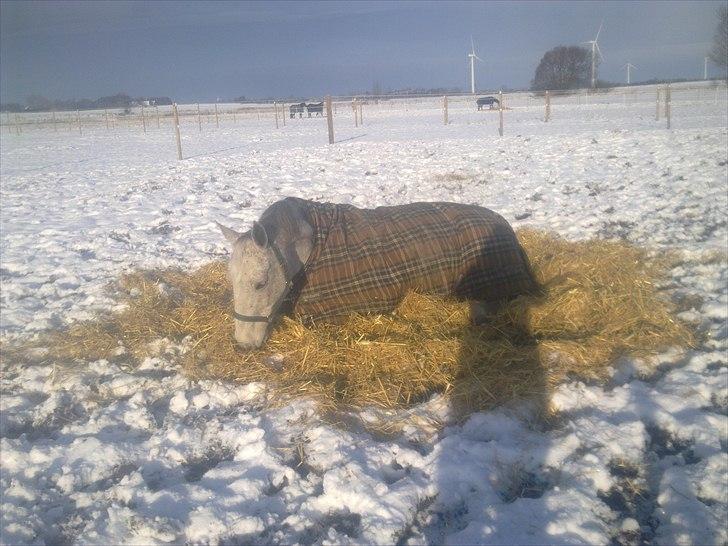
{"x":324,"y":261}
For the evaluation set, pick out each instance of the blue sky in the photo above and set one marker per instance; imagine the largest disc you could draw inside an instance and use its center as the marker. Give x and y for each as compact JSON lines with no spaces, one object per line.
{"x":194,"y":51}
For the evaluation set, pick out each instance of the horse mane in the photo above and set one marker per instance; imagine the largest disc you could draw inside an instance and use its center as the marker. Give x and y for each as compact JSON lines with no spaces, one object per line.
{"x":282,"y":220}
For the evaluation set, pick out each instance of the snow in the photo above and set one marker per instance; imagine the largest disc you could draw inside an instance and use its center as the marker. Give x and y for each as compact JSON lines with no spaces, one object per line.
{"x":105,"y":453}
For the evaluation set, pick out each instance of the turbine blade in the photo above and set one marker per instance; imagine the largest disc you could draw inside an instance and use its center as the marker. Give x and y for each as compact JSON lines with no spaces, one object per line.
{"x":472,"y":46}
{"x":599,"y":51}
{"x":600,"y":29}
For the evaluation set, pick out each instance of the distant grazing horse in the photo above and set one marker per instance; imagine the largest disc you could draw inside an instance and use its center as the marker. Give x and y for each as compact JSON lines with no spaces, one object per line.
{"x":315,"y":108}
{"x":297,"y":109}
{"x":491,"y":102}
{"x":324,"y":261}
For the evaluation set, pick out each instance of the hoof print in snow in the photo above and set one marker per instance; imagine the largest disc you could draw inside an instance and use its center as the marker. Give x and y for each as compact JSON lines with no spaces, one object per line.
{"x":616,"y":229}
{"x":197,"y":466}
{"x":275,"y":486}
{"x":523,"y":215}
{"x":521,"y":483}
{"x":394,"y":472}
{"x":631,"y":498}
{"x":665,"y":444}
{"x":165,"y":228}
{"x":298,"y":461}
{"x":343,"y":522}
{"x":243,"y":204}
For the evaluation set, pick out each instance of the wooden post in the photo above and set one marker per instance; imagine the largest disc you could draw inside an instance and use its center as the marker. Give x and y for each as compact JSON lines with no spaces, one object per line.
{"x":275,"y":107}
{"x":657,"y":107}
{"x":500,"y":112}
{"x":444,"y":108}
{"x":329,"y":119}
{"x":217,"y":123}
{"x":55,"y":129}
{"x":9,"y":123}
{"x":667,"y":105}
{"x":176,"y":130}
{"x":17,"y":124}
{"x":283,"y":113}
{"x":234,"y":118}
{"x":353,"y":108}
{"x":156,"y":111}
{"x":78,"y":118}
{"x":548,"y":106}
{"x":361,"y":113}
{"x":199,"y":117}
{"x":144,"y":121}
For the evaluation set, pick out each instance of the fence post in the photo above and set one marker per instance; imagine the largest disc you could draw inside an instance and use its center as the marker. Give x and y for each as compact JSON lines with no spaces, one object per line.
{"x":353,"y":109}
{"x":444,"y":108}
{"x":176,"y":130}
{"x":548,"y":106}
{"x":283,"y":113}
{"x":55,"y":129}
{"x":361,"y":113}
{"x":657,"y":107}
{"x":78,"y":119}
{"x":144,"y":121}
{"x":17,"y":124}
{"x":217,"y":123}
{"x":500,"y":112}
{"x":329,"y":119}
{"x":667,"y":105}
{"x":106,"y":118}
{"x":275,"y":107}
{"x":9,"y":123}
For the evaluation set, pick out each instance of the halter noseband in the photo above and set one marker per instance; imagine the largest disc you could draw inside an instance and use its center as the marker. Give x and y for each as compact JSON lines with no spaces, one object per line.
{"x":279,"y":301}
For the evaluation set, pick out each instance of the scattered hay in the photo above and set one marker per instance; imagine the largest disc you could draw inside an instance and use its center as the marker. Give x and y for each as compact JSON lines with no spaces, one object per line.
{"x":599,"y":301}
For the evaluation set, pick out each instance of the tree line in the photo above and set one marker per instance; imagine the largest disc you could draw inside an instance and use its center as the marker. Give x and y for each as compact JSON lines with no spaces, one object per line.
{"x":39,"y":103}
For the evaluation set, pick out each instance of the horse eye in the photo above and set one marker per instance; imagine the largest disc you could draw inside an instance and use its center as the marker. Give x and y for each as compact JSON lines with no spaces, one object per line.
{"x":260,"y":285}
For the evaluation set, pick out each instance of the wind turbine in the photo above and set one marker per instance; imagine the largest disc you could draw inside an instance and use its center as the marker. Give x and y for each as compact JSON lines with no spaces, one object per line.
{"x":472,"y":56}
{"x":628,"y":66}
{"x":594,"y":50}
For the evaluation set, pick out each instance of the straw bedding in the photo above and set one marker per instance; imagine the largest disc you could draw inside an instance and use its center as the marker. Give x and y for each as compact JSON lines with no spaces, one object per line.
{"x":600,"y":301}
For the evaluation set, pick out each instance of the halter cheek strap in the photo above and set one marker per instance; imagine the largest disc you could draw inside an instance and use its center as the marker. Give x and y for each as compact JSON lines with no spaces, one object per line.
{"x":286,"y":290}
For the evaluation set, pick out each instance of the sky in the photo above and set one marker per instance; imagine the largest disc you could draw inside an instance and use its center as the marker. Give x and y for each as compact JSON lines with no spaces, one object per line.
{"x":204,"y":51}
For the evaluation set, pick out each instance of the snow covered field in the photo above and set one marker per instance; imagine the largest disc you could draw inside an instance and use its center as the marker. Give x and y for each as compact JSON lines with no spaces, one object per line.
{"x":104,"y":453}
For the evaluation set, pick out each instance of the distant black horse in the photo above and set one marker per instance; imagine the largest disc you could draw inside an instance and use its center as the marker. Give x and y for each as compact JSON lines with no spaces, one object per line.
{"x":315,"y":108}
{"x":491,"y":102}
{"x":297,"y":109}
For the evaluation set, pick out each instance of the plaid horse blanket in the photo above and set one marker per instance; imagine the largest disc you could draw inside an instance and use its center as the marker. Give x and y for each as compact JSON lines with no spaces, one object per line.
{"x":366,"y":260}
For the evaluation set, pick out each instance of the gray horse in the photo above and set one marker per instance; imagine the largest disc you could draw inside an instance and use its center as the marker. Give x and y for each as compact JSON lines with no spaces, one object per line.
{"x":323,"y":261}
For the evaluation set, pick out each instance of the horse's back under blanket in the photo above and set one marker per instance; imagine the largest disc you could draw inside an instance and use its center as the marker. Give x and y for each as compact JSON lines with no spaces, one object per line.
{"x":366,"y":260}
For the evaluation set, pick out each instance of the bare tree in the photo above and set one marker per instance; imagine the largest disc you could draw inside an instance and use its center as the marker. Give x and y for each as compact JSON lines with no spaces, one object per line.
{"x":563,"y":67}
{"x":719,"y":53}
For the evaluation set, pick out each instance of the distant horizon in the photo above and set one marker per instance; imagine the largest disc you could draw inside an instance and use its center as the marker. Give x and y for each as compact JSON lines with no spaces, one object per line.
{"x":200,"y":52}
{"x":368,"y":93}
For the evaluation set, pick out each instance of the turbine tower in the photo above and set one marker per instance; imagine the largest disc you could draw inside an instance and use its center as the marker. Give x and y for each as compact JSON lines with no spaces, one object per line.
{"x":472,"y":56}
{"x":594,"y":50}
{"x":628,"y":66}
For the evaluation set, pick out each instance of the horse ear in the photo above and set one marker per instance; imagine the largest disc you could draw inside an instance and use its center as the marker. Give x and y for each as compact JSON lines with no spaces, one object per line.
{"x":260,"y":236}
{"x":230,"y":234}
